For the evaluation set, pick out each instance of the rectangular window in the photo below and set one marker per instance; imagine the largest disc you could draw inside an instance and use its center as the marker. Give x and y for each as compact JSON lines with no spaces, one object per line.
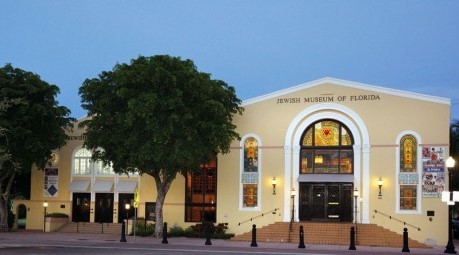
{"x":201,"y":194}
{"x":408,"y":195}
{"x":250,"y":195}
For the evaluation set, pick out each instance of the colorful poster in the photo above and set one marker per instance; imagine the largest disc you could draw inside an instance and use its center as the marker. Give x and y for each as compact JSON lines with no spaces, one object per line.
{"x":51,"y":182}
{"x":433,"y":176}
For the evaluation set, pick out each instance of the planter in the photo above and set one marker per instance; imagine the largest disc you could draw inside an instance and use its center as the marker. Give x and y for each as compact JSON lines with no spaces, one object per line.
{"x":53,"y":224}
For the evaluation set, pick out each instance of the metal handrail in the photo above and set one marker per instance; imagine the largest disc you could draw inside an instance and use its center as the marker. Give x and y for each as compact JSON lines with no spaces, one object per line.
{"x":258,"y":216}
{"x":404,"y":222}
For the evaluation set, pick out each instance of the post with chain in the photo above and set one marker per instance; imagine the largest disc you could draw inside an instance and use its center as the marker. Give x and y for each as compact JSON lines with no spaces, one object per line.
{"x":405,"y":241}
{"x":352,"y":238}
{"x":301,"y":245}
{"x":254,"y":236}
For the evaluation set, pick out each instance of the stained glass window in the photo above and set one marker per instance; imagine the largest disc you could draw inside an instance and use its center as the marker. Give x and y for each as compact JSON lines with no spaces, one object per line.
{"x":326,"y":148}
{"x":251,"y":155}
{"x":408,"y":164}
{"x":250,"y":174}
{"x":408,"y":154}
{"x":408,"y":197}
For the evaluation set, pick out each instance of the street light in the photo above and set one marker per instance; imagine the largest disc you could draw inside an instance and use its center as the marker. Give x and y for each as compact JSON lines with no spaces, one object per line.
{"x":127,"y":207}
{"x":356,"y":195}
{"x":292,"y":195}
{"x":450,"y":246}
{"x":45,"y":205}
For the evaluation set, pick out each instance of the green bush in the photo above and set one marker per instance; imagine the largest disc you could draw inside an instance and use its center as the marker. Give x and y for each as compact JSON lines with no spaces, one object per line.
{"x":57,"y":215}
{"x":142,"y":230}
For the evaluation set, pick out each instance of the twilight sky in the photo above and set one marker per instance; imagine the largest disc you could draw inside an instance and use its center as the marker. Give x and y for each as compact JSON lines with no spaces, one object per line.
{"x":257,"y":46}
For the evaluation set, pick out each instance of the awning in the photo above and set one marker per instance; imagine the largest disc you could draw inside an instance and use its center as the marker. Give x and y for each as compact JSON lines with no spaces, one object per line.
{"x":102,"y":186}
{"x":126,"y":186}
{"x":79,"y":186}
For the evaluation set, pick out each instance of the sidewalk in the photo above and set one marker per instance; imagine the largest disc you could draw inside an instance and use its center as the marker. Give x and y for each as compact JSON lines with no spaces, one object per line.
{"x":30,"y":238}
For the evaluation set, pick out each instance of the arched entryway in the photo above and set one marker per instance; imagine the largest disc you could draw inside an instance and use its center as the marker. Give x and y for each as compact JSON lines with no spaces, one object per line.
{"x":22,"y":216}
{"x":359,"y":176}
{"x":326,"y":172}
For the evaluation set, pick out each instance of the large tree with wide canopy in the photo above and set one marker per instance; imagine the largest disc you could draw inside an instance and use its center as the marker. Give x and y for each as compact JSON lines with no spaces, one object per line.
{"x":158,"y":116}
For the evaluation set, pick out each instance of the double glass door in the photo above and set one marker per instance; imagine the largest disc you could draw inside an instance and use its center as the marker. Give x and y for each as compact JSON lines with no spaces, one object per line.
{"x":325,"y":202}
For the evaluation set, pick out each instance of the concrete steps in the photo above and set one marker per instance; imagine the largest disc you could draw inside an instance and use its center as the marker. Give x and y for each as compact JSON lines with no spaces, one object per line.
{"x":326,"y":233}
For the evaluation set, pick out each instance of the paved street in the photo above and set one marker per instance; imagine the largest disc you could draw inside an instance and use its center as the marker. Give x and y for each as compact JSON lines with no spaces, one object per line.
{"x":62,"y":243}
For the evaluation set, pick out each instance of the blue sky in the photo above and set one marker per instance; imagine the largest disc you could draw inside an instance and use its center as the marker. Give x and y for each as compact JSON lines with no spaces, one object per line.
{"x":256,"y":46}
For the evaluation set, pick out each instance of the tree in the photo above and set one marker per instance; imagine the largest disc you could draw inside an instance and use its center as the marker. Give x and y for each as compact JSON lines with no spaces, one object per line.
{"x":31,"y":123}
{"x":158,"y":116}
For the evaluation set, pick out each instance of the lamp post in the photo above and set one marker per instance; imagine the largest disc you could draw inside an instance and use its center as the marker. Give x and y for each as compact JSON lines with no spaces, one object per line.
{"x":356,"y":195}
{"x":450,"y":246}
{"x":292,"y":195}
{"x":45,"y":205}
{"x":127,"y":207}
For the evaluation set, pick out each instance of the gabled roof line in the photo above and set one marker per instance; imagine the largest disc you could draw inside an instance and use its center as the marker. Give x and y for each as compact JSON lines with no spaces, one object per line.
{"x":351,"y":84}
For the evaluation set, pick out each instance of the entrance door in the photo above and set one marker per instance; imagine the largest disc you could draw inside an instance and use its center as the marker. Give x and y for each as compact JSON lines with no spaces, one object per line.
{"x":80,"y":207}
{"x":325,"y":202}
{"x":104,"y":208}
{"x":125,"y":198}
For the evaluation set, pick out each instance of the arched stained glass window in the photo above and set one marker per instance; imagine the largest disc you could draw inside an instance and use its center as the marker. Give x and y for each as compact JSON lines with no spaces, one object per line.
{"x":251,"y":155}
{"x":408,"y":154}
{"x":82,"y":162}
{"x":250,"y":173}
{"x":408,"y":168}
{"x":326,"y":148}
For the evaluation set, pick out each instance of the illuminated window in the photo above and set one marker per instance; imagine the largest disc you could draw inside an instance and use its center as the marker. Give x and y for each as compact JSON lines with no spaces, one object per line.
{"x":83,"y":165}
{"x":408,"y":178}
{"x":408,"y":152}
{"x":201,"y":194}
{"x":327,"y":148}
{"x":250,"y":173}
{"x":408,"y":195}
{"x":82,"y":162}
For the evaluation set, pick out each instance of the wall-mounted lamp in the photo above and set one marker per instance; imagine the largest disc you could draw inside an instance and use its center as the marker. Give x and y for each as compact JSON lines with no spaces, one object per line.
{"x":274,"y":183}
{"x":380,"y":183}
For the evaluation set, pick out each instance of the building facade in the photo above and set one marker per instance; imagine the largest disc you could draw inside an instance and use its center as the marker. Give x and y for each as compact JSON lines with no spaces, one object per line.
{"x":351,"y":152}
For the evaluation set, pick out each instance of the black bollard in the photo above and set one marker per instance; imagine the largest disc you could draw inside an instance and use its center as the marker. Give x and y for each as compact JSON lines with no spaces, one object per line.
{"x":254,"y":236}
{"x":208,"y":242}
{"x":301,"y":245}
{"x":352,"y":245}
{"x":405,"y":241}
{"x":165,"y":233}
{"x":123,"y":234}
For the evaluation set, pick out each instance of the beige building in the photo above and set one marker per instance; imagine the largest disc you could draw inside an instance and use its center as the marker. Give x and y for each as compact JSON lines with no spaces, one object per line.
{"x":350,"y":151}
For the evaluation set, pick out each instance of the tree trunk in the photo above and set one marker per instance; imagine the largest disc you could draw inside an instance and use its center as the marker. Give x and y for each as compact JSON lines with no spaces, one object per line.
{"x":163,"y":183}
{"x":5,"y":188}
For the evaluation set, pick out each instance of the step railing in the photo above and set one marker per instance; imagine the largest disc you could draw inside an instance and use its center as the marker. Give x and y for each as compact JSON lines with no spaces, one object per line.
{"x":273,"y":211}
{"x":401,"y":221}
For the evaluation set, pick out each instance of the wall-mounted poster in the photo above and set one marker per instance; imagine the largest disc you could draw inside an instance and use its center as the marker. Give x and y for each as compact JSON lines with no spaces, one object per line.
{"x":51,"y":182}
{"x":433,"y":166}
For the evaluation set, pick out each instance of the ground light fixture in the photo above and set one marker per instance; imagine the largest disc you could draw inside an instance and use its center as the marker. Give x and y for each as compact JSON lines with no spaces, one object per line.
{"x":274,"y":183}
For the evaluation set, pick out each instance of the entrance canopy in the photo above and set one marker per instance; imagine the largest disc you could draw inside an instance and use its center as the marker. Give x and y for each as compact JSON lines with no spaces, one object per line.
{"x":126,"y":186}
{"x":102,"y":186}
{"x":79,"y":186}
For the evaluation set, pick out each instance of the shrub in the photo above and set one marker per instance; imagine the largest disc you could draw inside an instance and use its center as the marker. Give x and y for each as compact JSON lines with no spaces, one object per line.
{"x":57,"y":215}
{"x":144,"y":230}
